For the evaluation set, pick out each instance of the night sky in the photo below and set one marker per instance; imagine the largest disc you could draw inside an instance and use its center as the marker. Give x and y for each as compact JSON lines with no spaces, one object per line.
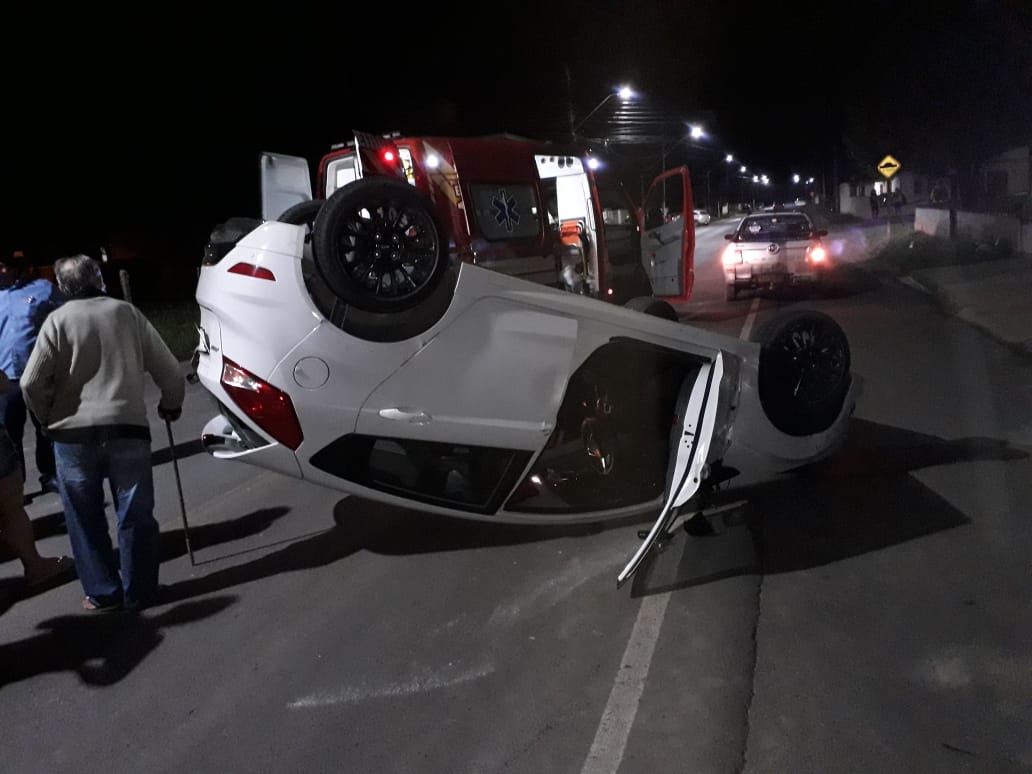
{"x":151,"y":124}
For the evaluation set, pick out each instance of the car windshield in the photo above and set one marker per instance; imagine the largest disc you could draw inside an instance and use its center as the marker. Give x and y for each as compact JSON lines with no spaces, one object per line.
{"x":775,"y":227}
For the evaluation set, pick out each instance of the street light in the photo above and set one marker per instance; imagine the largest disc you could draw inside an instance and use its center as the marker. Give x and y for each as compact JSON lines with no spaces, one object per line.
{"x":696,"y":132}
{"x":729,"y":158}
{"x":625,"y":93}
{"x":795,"y":178}
{"x":742,"y":168}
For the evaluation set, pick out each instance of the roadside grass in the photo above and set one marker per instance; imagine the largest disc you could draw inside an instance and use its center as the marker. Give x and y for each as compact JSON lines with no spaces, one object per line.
{"x":916,"y":250}
{"x":177,"y":324}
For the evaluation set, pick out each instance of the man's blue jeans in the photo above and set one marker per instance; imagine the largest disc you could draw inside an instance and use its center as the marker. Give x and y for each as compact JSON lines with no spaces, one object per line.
{"x":81,"y":471}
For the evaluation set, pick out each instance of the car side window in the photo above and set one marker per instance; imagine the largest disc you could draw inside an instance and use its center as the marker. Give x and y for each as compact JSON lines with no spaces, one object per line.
{"x":473,"y":478}
{"x":506,"y":210}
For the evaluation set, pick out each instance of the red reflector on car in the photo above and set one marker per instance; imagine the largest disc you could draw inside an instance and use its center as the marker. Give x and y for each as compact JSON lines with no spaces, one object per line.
{"x":251,"y":270}
{"x":269,"y":408}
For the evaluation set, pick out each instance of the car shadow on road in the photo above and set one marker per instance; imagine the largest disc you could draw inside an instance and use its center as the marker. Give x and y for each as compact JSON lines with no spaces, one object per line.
{"x":182,"y":450}
{"x":364,"y":525}
{"x":172,"y":546}
{"x":860,"y":500}
{"x":843,"y":281}
{"x":100,"y":648}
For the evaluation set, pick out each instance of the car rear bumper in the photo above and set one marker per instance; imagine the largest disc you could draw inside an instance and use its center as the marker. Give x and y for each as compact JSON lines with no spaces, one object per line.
{"x":748,"y":275}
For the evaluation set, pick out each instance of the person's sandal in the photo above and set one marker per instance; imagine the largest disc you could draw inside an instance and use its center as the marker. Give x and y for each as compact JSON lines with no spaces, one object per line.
{"x":94,"y":605}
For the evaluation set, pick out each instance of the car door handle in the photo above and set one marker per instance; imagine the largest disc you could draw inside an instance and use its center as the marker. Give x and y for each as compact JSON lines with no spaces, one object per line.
{"x":411,"y":415}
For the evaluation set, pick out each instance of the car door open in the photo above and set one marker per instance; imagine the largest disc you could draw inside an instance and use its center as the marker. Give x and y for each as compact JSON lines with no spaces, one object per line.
{"x":668,"y":238}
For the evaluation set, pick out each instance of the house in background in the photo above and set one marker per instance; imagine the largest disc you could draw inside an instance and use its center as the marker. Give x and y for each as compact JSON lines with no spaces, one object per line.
{"x":919,"y":190}
{"x":1004,"y":183}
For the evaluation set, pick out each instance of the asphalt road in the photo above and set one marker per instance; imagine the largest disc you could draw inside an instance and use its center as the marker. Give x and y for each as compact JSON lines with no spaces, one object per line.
{"x":871,"y":617}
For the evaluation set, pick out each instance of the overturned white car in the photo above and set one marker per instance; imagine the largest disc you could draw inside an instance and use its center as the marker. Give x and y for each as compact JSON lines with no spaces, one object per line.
{"x":472,"y":393}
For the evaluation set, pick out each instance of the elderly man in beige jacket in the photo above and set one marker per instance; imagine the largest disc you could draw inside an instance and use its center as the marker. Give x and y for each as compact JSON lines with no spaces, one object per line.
{"x":85,"y":383}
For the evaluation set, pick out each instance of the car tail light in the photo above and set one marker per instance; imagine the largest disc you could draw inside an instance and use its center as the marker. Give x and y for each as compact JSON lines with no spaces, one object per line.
{"x":269,"y":408}
{"x":388,"y":156}
{"x":818,"y":254}
{"x":251,"y":270}
{"x":731,"y":255}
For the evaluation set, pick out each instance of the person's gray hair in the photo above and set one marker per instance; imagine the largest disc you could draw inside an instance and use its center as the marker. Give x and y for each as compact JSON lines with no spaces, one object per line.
{"x":76,"y":273}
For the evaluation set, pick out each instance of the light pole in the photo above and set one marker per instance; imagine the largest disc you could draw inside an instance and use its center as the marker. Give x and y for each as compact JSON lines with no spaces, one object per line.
{"x":729,"y":159}
{"x":625,"y":93}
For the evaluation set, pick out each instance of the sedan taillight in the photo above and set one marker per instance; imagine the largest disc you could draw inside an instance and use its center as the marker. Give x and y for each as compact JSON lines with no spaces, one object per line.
{"x":732,"y":255}
{"x":817,"y":254}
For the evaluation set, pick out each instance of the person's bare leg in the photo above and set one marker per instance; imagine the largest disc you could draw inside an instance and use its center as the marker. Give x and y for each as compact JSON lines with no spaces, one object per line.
{"x":16,"y":532}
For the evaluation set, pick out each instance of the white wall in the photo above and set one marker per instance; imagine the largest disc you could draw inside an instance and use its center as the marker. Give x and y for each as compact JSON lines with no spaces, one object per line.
{"x":977,"y":226}
{"x":988,"y":227}
{"x":932,"y":221}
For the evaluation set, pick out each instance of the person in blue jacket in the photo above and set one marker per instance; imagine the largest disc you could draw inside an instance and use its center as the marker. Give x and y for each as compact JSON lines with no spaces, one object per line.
{"x":25,"y":302}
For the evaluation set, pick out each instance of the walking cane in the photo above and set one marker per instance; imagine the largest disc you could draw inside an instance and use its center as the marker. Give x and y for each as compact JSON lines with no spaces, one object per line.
{"x":179,"y":486}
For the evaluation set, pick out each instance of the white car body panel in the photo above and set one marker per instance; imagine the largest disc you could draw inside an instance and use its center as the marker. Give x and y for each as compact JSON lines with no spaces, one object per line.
{"x":516,"y":411}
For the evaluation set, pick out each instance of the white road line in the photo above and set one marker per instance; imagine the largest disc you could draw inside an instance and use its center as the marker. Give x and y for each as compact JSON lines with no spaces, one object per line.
{"x":750,"y":319}
{"x":607,"y":749}
{"x":357,"y":694}
{"x":615,"y":727}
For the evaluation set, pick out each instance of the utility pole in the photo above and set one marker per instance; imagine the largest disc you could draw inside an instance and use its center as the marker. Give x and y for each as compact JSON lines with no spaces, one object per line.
{"x":569,"y":104}
{"x":834,"y":179}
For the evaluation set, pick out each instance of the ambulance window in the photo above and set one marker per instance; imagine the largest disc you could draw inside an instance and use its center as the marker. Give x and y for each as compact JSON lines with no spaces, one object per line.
{"x":550,"y":197}
{"x":616,"y":210}
{"x":623,"y":241}
{"x":506,"y":210}
{"x":665,"y":202}
{"x":406,"y":164}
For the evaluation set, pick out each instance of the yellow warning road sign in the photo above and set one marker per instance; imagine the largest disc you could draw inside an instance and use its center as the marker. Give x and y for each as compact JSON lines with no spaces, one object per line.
{"x":888,"y":166}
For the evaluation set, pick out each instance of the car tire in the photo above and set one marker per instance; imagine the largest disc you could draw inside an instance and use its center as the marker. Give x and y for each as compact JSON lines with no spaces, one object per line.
{"x":378,"y":228}
{"x":730,"y":292}
{"x":652,"y":306}
{"x":804,"y":371}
